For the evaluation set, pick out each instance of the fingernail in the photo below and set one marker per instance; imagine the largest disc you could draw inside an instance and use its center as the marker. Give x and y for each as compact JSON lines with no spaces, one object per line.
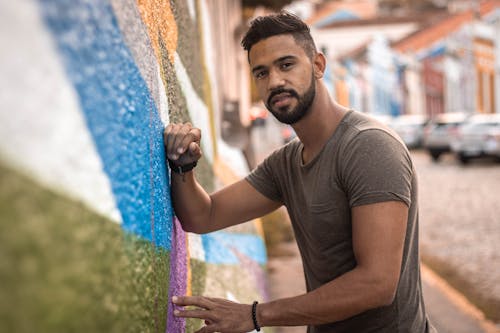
{"x":176,"y":312}
{"x":180,"y":150}
{"x":174,"y":299}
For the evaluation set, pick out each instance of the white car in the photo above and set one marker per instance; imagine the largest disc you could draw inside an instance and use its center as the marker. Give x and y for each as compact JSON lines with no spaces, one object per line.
{"x":441,"y":131}
{"x":492,"y":147}
{"x":410,"y":128}
{"x":478,"y":137}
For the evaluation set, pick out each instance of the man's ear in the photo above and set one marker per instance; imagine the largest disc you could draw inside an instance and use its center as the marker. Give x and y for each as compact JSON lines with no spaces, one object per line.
{"x":319,"y":63}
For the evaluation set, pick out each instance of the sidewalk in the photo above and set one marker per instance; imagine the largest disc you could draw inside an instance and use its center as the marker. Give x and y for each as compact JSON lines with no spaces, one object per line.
{"x":448,"y":310}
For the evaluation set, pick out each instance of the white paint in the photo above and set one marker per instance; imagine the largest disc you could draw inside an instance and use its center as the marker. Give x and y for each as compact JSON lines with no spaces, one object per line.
{"x":162,"y":99}
{"x":196,"y":107}
{"x":211,"y":62}
{"x":196,"y":250}
{"x":233,"y":158}
{"x":42,"y":130}
{"x":192,"y":9}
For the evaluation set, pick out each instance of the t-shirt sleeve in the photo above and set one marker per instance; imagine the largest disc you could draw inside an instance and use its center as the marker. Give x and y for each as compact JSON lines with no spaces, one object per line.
{"x":376,"y":167}
{"x":263,"y":179}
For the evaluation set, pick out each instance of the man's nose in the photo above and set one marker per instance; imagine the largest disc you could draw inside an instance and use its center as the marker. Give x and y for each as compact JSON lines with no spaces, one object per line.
{"x":276,"y":80}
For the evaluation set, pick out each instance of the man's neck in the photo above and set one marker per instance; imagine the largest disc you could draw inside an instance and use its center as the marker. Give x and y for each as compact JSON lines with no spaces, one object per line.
{"x":319,"y":124}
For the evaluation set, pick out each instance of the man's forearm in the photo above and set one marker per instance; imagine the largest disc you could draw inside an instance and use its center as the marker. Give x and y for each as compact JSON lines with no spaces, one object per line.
{"x":348,"y":295}
{"x":191,"y":202}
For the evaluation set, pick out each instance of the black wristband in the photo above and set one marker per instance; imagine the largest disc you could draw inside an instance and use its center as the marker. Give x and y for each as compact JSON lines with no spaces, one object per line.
{"x":254,"y":316}
{"x":180,"y":169}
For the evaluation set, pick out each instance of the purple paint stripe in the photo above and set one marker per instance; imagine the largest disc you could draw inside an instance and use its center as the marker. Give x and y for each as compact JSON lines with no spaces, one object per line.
{"x":178,"y":276}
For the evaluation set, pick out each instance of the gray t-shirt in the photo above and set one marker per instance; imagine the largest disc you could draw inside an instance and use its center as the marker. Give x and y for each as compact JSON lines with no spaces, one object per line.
{"x":362,"y":163}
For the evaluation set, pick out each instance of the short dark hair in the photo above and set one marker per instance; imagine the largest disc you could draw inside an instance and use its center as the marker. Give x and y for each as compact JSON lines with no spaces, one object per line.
{"x":282,"y":23}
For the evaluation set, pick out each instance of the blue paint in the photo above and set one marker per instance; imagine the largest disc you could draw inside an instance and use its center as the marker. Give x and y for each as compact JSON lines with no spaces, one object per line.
{"x":120,"y":112}
{"x":219,"y":247}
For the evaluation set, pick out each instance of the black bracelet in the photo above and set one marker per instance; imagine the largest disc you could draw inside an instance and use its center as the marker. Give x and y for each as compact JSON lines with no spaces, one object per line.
{"x":254,"y":316}
{"x":180,"y":169}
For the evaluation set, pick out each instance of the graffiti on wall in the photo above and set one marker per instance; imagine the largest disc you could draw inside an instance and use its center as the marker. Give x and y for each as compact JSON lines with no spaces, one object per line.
{"x":95,"y":82}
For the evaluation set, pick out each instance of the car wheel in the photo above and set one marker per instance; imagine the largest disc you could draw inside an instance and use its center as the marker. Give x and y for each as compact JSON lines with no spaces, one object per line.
{"x":435,"y":155}
{"x":463,"y":159}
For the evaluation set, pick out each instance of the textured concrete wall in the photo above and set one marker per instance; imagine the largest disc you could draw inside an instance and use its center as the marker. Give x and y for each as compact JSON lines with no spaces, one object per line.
{"x":87,"y":87}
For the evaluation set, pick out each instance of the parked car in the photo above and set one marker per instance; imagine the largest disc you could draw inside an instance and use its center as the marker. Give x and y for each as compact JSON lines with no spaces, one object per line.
{"x":492,"y":147}
{"x":440,"y":131}
{"x":410,"y":128}
{"x":477,"y":137}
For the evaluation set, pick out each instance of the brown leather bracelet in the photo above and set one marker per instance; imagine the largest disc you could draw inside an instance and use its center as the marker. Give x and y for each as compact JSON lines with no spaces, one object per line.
{"x":181,"y":169}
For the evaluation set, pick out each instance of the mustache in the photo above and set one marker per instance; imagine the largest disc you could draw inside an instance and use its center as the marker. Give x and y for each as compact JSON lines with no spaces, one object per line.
{"x":278,"y":91}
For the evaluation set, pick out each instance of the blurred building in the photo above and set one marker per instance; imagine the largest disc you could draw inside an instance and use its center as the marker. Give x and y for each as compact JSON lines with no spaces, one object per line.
{"x":427,"y":58}
{"x":452,"y":62}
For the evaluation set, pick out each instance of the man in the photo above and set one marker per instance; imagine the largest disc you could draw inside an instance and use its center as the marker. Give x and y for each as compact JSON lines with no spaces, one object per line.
{"x":348,"y":184}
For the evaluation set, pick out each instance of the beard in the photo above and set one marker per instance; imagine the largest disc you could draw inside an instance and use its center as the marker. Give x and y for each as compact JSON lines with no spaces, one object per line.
{"x":287,"y":116}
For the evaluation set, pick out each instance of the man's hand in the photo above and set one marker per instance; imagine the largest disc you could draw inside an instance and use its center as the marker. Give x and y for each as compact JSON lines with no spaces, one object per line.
{"x":220,"y":315}
{"x":182,"y":143}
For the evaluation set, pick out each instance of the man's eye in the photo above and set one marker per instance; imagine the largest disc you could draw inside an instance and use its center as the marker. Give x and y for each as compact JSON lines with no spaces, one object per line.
{"x":286,"y":65}
{"x":260,"y":75}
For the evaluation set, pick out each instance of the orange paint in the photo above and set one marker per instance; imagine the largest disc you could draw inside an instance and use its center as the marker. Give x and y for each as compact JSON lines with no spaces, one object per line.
{"x":159,"y":19}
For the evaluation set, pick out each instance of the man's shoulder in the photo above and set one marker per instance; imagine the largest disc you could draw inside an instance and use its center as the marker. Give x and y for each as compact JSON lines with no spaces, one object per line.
{"x":287,"y":150}
{"x":361,"y":125}
{"x":363,"y":121}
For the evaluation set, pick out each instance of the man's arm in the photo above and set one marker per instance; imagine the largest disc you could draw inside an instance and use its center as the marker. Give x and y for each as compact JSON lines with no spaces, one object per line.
{"x":198,"y":211}
{"x":378,"y":239}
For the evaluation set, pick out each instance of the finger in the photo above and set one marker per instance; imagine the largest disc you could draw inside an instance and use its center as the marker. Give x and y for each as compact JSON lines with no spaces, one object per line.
{"x":167,"y":129}
{"x":175,"y":137}
{"x":196,"y":132}
{"x":179,"y":138}
{"x":166,"y":133}
{"x":193,"y":135}
{"x":170,"y":134}
{"x":199,"y":301}
{"x":195,"y":150}
{"x":197,"y":313}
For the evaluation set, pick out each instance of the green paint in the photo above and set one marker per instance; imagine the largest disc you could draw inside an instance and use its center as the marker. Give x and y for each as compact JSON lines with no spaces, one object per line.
{"x":63,"y":268}
{"x":198,"y":279}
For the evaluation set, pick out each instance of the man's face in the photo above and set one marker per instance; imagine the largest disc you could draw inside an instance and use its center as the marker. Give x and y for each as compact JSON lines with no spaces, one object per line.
{"x":284,"y":77}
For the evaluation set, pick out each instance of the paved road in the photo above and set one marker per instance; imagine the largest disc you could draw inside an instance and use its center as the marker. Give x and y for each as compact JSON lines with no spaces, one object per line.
{"x":460,"y":225}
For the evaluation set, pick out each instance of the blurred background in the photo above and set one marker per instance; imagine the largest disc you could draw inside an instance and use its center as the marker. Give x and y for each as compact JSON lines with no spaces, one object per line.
{"x":88,"y":238}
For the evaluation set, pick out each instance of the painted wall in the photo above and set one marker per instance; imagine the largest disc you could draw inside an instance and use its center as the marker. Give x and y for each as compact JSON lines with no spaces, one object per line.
{"x":87,"y":87}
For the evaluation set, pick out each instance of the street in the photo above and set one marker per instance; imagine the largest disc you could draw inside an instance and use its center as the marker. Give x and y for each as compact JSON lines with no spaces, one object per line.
{"x":460,"y":225}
